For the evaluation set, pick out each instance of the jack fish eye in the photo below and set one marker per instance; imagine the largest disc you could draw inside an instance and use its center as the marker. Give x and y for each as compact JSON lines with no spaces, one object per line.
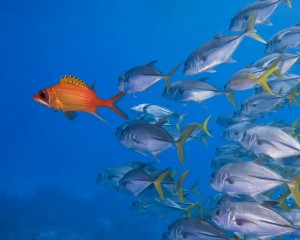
{"x":218,"y":212}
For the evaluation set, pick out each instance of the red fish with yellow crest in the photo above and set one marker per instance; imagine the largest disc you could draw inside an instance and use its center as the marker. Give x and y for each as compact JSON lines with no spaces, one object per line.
{"x":73,"y":95}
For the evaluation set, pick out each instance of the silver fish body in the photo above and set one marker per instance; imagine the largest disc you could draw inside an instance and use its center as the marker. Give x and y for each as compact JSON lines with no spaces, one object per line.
{"x":260,"y":103}
{"x":287,"y":61}
{"x":135,"y":181}
{"x":155,"y":111}
{"x":235,"y":132}
{"x":211,"y":54}
{"x":193,"y":229}
{"x":191,"y":91}
{"x":270,"y":141}
{"x":286,"y":38}
{"x":245,"y":178}
{"x":144,"y":137}
{"x":241,"y":80}
{"x":251,"y":219}
{"x":263,"y":9}
{"x":139,"y":78}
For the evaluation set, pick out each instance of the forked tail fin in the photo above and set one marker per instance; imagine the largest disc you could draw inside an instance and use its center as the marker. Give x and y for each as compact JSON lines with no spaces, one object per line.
{"x":110,"y":103}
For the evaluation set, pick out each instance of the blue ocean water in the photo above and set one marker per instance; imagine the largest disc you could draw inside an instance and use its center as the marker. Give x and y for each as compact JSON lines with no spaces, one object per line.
{"x":48,"y":163}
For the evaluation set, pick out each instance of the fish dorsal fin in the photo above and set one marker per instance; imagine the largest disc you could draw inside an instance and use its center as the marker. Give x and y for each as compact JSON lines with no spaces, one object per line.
{"x":203,"y":79}
{"x":219,"y":34}
{"x":73,"y":80}
{"x":151,"y":63}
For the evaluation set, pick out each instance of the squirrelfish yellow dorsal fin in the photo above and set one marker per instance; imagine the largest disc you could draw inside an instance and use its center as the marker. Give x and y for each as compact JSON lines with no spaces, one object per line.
{"x":73,"y":80}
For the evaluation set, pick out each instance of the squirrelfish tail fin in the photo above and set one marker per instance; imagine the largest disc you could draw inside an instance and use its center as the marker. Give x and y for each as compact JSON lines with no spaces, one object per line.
{"x":250,"y":31}
{"x":110,"y":103}
{"x":157,"y":183}
{"x":179,"y":185}
{"x":169,"y":76}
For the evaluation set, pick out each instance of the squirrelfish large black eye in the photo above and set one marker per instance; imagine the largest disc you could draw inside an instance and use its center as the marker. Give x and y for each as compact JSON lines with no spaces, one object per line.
{"x":42,"y":94}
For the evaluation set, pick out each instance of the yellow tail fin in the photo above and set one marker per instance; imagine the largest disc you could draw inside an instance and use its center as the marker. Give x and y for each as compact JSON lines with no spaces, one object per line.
{"x":230,"y":97}
{"x":189,"y":209}
{"x":168,"y":77}
{"x":288,"y":2}
{"x":204,"y":126}
{"x":294,"y":187}
{"x":179,"y":184}
{"x":157,"y":183}
{"x":179,"y":143}
{"x":250,"y":31}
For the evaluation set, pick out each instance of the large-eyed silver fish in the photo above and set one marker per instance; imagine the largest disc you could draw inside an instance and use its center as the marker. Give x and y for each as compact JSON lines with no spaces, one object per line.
{"x":194,"y":91}
{"x":142,"y":136}
{"x":250,"y":179}
{"x":140,"y":78}
{"x":193,"y":229}
{"x":263,"y":9}
{"x":287,"y":61}
{"x":270,"y":141}
{"x":249,"y":219}
{"x":217,"y":51}
{"x":286,"y":38}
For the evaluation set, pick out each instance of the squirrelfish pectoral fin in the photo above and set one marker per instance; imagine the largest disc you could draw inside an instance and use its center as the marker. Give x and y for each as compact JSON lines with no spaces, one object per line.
{"x":70,"y":115}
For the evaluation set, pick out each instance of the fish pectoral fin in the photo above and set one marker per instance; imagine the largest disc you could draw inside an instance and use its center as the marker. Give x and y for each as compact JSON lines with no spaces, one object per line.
{"x":235,"y":179}
{"x":210,"y":70}
{"x":70,"y":115}
{"x":244,"y":222}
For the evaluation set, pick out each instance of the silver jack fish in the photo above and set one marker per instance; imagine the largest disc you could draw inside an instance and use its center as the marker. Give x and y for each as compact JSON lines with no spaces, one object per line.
{"x":194,"y":91}
{"x":192,"y":229}
{"x":250,"y":219}
{"x":217,"y":51}
{"x":145,"y":137}
{"x":263,"y":9}
{"x":250,"y":179}
{"x":270,"y":141}
{"x":286,"y":38}
{"x":287,"y":61}
{"x":140,"y":78}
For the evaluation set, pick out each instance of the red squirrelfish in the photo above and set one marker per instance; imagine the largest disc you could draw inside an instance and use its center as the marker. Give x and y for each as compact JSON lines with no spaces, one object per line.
{"x":73,"y":95}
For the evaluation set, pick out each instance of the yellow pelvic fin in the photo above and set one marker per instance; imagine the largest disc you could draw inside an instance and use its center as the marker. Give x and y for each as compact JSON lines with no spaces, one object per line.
{"x":73,"y":80}
{"x":179,"y":184}
{"x":158,"y":181}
